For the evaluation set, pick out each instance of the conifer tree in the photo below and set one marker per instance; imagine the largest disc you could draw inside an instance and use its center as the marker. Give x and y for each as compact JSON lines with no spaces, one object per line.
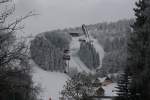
{"x":123,"y":88}
{"x":138,"y":52}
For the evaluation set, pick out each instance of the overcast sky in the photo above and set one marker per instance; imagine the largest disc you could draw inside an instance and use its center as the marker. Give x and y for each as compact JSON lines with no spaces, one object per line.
{"x":69,"y":13}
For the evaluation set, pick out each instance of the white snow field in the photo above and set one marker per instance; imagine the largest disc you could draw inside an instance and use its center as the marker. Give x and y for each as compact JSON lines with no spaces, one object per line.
{"x":51,"y":83}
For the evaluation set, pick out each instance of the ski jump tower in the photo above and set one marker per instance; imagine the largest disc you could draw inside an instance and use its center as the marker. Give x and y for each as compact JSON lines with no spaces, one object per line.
{"x":86,"y":33}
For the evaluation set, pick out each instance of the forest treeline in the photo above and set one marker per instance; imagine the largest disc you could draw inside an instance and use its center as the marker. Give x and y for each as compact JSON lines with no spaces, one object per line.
{"x":113,"y":37}
{"x":47,"y":50}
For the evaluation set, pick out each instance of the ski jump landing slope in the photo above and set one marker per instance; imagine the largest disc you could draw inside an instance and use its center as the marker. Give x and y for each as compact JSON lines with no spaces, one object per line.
{"x":75,"y":60}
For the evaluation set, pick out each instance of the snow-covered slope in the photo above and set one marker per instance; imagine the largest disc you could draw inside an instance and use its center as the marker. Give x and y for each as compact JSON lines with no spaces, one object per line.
{"x":99,"y":50}
{"x":51,"y":83}
{"x":75,"y":60}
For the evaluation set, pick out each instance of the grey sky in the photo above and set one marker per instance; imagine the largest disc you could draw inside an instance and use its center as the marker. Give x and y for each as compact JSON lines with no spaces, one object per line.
{"x":68,"y":13}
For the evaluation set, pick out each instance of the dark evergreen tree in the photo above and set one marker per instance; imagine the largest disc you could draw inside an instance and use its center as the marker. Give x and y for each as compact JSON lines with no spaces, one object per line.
{"x":138,"y":52}
{"x":123,"y":88}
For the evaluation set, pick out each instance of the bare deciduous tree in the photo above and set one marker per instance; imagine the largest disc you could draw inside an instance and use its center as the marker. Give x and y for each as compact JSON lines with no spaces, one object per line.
{"x":15,"y":79}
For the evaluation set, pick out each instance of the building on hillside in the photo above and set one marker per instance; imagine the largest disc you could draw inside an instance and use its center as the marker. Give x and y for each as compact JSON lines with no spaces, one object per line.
{"x":107,"y":81}
{"x":97,"y":86}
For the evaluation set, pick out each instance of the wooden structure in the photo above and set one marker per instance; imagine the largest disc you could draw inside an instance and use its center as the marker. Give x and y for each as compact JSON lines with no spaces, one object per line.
{"x":75,"y":34}
{"x":86,"y":33}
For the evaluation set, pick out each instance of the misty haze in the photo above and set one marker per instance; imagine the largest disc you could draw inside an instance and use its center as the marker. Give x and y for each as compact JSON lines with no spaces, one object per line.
{"x":54,"y":14}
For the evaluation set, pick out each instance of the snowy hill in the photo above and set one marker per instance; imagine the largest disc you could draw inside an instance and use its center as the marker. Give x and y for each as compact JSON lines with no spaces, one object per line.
{"x":52,"y":83}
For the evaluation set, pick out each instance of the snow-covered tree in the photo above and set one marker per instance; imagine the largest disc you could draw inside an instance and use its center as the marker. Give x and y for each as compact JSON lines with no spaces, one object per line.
{"x":138,"y":51}
{"x":79,"y":87}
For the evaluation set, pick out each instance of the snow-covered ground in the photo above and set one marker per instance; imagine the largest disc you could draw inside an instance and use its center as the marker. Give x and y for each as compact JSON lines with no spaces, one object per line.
{"x":51,"y":83}
{"x":110,"y":89}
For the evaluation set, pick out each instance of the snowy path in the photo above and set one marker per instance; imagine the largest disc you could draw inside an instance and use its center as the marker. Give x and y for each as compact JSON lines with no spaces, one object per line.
{"x":51,"y":83}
